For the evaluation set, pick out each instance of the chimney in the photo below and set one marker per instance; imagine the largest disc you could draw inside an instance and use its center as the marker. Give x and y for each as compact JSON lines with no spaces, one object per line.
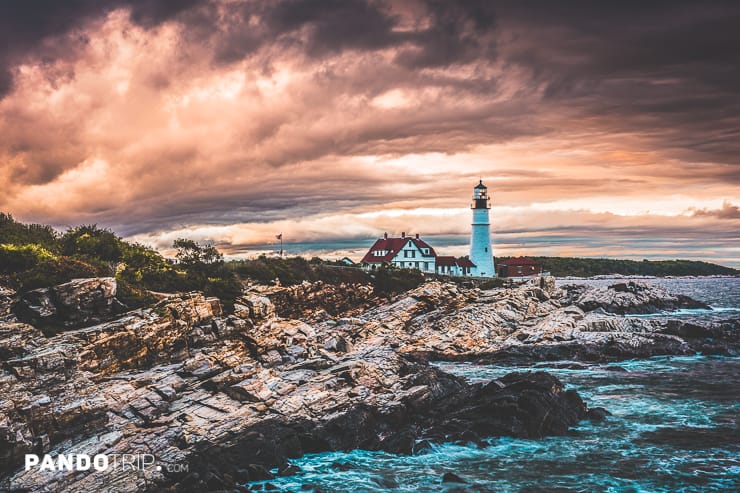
{"x":403,"y":234}
{"x":417,"y":236}
{"x":385,"y":236}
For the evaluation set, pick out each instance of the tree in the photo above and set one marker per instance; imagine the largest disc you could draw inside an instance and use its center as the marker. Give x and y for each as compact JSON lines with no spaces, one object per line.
{"x":195,"y":256}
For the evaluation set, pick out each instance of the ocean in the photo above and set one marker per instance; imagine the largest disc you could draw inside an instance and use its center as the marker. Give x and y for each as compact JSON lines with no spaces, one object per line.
{"x":674,"y":428}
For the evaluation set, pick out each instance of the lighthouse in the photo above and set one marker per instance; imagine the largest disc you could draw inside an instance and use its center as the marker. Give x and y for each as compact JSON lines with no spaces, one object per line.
{"x":481,"y":253}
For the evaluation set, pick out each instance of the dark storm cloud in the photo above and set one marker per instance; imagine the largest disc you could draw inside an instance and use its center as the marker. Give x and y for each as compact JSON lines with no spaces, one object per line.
{"x":150,"y":115}
{"x":440,"y":33}
{"x":35,"y":27}
{"x":457,"y":33}
{"x":669,"y":69}
{"x":335,"y":25}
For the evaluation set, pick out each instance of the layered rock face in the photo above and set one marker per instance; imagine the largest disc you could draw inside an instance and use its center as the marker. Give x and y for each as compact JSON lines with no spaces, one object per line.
{"x":314,"y":300}
{"x":232,"y":397}
{"x":535,"y":322}
{"x":629,"y":297}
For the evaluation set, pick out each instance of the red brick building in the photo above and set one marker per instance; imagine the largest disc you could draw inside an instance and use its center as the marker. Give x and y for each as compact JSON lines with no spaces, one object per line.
{"x":519,"y":267}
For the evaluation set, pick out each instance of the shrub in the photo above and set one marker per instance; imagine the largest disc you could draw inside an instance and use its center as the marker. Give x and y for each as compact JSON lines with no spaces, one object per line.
{"x":92,"y":242}
{"x":390,"y":280}
{"x":49,"y":272}
{"x":14,"y":258}
{"x":227,"y":289}
{"x":14,"y":233}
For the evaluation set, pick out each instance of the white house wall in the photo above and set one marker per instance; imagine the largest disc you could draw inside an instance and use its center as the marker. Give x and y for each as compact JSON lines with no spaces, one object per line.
{"x":412,"y":257}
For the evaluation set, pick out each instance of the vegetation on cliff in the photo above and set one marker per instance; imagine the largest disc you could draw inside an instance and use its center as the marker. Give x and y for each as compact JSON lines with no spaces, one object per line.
{"x":586,"y":267}
{"x":294,"y":270}
{"x":34,"y":256}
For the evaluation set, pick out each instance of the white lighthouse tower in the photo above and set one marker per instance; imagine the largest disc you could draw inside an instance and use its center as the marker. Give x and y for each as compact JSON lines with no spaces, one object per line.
{"x":481,"y":253}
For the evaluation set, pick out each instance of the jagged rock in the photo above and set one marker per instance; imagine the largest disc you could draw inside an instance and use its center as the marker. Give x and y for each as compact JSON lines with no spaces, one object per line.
{"x":228,"y":416}
{"x":338,"y":345}
{"x":7,"y":297}
{"x":451,"y":477}
{"x":597,"y":414}
{"x":531,"y":322}
{"x":235,"y":396}
{"x":17,"y":339}
{"x":258,"y":308}
{"x":307,"y":299}
{"x":433,"y":406}
{"x":77,"y":303}
{"x":634,"y":297}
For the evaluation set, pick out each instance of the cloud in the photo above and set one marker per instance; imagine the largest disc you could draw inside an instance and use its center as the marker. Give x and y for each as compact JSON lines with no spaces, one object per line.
{"x":728,"y":211}
{"x":161,"y":117}
{"x":48,"y":30}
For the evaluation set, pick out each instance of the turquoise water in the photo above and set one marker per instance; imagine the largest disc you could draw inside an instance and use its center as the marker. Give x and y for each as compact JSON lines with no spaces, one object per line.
{"x":674,"y":428}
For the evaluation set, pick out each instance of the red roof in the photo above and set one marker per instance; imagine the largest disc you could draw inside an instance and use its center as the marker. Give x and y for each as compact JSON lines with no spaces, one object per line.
{"x":393,"y":246}
{"x":465,"y":262}
{"x":444,"y":260}
{"x":519,"y":261}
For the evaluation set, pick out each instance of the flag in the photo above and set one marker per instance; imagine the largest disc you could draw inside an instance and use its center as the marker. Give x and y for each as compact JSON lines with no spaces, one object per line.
{"x":279,"y":237}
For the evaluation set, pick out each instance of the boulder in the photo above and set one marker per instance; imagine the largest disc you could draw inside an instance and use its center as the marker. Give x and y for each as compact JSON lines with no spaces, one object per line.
{"x":77,"y":303}
{"x":451,"y":477}
{"x":634,"y":297}
{"x":258,"y":308}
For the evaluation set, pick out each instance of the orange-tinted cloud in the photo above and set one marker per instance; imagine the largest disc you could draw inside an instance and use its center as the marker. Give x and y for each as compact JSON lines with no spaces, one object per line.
{"x":230,"y":120}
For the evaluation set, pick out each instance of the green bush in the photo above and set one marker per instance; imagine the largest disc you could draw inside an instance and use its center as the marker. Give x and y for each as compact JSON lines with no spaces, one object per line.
{"x":390,"y":280}
{"x":92,"y":242}
{"x":14,"y":233}
{"x":132,"y":295}
{"x":227,"y":289}
{"x":49,"y":272}
{"x":14,"y":258}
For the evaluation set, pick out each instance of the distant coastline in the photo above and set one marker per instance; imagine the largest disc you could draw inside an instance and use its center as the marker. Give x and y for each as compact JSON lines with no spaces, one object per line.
{"x":608,"y":268}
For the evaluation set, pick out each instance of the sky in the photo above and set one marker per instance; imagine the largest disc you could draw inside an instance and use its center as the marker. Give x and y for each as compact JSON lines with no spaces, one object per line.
{"x":601,"y":128}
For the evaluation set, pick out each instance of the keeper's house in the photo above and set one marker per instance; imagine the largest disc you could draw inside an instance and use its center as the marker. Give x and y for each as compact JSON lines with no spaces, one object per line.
{"x":409,"y":252}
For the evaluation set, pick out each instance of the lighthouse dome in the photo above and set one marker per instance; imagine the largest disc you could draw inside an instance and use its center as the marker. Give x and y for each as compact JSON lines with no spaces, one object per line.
{"x":480,"y":185}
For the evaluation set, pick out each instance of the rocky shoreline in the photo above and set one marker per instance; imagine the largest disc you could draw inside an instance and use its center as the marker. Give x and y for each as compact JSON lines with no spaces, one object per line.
{"x":301,"y":369}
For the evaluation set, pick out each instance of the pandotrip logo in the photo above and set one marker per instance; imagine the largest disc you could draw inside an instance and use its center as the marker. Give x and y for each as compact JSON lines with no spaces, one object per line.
{"x":99,"y":463}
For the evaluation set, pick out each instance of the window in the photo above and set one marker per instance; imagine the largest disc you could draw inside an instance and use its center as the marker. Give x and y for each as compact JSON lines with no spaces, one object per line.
{"x":486,"y":249}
